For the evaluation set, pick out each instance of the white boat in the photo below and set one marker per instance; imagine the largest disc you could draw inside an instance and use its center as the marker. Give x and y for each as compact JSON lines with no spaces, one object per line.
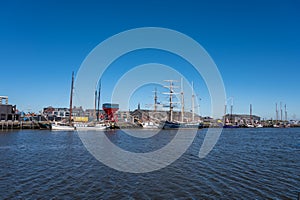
{"x":259,"y":126}
{"x":250,"y":125}
{"x":59,"y":126}
{"x":85,"y":127}
{"x":150,"y":125}
{"x":101,"y":126}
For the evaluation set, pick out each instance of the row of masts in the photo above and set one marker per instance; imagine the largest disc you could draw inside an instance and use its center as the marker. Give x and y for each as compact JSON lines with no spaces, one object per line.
{"x":231,"y":111}
{"x":251,"y":116}
{"x":97,"y":101}
{"x":170,"y":93}
{"x":281,"y":114}
{"x":171,"y":103}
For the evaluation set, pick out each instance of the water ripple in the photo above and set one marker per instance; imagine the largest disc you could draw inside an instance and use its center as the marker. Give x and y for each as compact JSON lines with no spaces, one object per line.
{"x":245,"y":164}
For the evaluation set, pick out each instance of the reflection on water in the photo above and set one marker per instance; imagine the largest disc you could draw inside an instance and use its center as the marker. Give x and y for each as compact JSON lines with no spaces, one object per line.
{"x":245,"y":163}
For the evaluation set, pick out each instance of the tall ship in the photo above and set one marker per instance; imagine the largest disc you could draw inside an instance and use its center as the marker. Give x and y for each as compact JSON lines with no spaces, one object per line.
{"x":171,"y":123}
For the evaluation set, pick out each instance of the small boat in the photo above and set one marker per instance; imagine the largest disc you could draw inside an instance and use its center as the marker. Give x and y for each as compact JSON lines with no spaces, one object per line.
{"x":44,"y":125}
{"x":60,"y":126}
{"x":250,"y":125}
{"x":89,"y":127}
{"x":101,"y":126}
{"x":259,"y":126}
{"x":191,"y":125}
{"x":150,"y":125}
{"x":230,"y":126}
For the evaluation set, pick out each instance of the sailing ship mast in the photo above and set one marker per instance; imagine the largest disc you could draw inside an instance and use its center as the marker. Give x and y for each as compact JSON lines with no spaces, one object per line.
{"x":155,"y":100}
{"x":171,"y":93}
{"x":95,"y":103}
{"x":193,"y":103}
{"x":276,"y":114}
{"x":281,"y":111}
{"x":231,"y":109}
{"x":182,"y":101}
{"x":251,"y":120}
{"x":98,"y":107}
{"x":285,"y":113}
{"x":225,"y":111}
{"x":71,"y":99}
{"x":226,"y":120}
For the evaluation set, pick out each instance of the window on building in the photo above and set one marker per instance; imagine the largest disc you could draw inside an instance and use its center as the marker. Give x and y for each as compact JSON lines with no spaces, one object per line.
{"x":3,"y":117}
{"x":9,"y":117}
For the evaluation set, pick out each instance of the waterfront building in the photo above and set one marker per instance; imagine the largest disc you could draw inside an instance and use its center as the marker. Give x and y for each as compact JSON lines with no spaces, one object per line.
{"x":78,"y":112}
{"x":52,"y":112}
{"x":7,"y":111}
{"x":90,"y":113}
{"x":124,"y":116}
{"x":294,"y":122}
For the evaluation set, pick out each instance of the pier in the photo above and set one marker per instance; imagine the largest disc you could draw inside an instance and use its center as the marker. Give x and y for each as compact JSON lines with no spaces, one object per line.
{"x":11,"y":125}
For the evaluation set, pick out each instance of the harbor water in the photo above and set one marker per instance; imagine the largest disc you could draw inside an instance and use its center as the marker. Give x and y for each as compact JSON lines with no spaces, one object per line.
{"x":245,"y":164}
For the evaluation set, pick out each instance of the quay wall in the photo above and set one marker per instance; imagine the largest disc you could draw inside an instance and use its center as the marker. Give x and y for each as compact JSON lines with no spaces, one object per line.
{"x":10,"y":125}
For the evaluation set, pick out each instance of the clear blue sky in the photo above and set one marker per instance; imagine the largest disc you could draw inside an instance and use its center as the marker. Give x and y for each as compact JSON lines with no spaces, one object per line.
{"x":255,"y":44}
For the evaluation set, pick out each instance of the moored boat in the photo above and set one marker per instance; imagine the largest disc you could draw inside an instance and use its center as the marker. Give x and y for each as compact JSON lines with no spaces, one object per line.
{"x":191,"y":125}
{"x":250,"y":125}
{"x":91,"y":126}
{"x":259,"y":126}
{"x":150,"y":125}
{"x":231,"y":126}
{"x":60,"y":126}
{"x":170,"y":125}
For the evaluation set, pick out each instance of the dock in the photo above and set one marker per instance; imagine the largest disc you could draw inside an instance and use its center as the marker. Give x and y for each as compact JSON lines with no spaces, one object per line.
{"x":11,"y":125}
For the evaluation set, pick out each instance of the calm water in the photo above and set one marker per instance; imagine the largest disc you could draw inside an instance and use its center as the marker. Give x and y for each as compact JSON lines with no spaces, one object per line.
{"x":245,"y":164}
